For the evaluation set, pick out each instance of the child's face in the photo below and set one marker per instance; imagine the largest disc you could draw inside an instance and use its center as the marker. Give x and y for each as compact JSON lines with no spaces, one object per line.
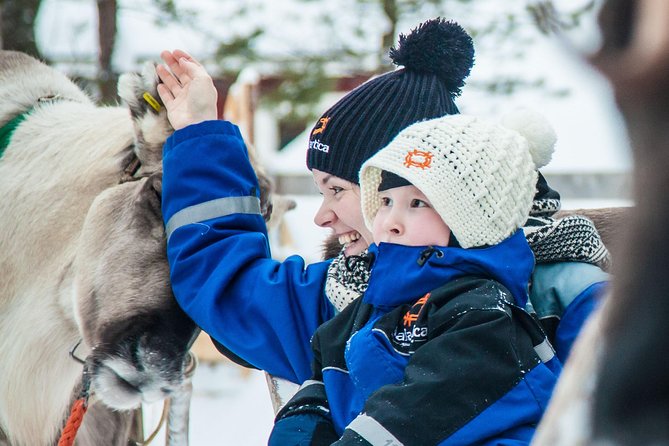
{"x":406,"y":217}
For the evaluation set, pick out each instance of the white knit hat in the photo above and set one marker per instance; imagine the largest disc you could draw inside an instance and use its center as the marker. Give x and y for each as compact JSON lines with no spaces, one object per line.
{"x":479,"y":176}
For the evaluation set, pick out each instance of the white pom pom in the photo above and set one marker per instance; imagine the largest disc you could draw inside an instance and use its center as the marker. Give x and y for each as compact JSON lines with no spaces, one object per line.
{"x":537,"y":130}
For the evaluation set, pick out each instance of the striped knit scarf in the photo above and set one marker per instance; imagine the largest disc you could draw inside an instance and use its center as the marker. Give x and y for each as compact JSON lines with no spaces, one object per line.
{"x":347,"y":279}
{"x":570,"y":239}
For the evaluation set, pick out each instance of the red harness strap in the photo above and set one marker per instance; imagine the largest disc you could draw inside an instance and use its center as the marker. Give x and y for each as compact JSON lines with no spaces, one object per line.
{"x":77,"y":412}
{"x":73,"y":422}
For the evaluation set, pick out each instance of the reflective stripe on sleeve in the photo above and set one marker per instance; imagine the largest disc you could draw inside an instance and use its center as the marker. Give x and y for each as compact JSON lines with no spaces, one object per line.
{"x":544,"y":351}
{"x":372,"y":431}
{"x":212,"y":209}
{"x":311,"y":382}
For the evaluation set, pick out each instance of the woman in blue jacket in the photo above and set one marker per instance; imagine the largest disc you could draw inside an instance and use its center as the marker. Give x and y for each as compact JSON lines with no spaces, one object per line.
{"x":222,"y":273}
{"x":265,"y":311}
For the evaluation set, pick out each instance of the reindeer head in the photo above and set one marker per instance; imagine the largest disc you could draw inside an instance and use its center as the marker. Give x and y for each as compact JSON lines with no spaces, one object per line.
{"x":126,"y":310}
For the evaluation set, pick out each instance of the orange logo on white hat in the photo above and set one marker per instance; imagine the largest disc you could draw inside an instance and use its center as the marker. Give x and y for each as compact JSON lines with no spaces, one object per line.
{"x":418,"y":158}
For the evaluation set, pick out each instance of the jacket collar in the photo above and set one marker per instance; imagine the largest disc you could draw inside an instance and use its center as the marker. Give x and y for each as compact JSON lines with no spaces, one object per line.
{"x":402,"y":274}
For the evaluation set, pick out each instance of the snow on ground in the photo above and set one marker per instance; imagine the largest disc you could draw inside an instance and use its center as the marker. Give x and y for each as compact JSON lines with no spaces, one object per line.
{"x":230,"y":406}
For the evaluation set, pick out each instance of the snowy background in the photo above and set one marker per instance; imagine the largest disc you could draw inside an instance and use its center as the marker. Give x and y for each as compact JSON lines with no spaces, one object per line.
{"x":231,"y":406}
{"x":590,"y":130}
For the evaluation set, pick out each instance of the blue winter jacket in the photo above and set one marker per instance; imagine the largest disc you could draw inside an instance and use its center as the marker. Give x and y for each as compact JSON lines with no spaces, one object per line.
{"x":438,"y":351}
{"x":222,"y":274}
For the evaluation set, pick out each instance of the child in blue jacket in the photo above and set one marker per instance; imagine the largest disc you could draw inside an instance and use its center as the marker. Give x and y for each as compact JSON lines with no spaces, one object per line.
{"x":439,"y":350}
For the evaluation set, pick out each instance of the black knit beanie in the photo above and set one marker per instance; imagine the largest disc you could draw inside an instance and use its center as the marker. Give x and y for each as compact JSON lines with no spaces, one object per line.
{"x":390,"y":180}
{"x":436,"y":58}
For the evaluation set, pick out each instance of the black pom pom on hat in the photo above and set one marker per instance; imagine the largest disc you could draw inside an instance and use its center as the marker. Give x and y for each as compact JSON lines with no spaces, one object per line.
{"x":435,"y":58}
{"x":437,"y":47}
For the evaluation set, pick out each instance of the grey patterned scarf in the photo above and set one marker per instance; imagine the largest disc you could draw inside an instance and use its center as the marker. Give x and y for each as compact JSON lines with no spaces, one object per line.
{"x":347,"y":279}
{"x":569,"y":239}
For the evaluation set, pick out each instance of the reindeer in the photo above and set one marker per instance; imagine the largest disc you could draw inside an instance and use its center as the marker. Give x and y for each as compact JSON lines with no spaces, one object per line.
{"x":82,"y":257}
{"x":614,"y":389}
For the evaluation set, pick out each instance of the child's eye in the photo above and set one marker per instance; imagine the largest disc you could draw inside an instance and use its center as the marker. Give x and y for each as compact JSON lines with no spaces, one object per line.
{"x":386,"y":201}
{"x":336,"y":189}
{"x":416,"y":203}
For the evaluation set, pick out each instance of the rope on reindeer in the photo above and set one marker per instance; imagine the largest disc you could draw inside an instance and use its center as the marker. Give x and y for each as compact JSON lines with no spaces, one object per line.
{"x":175,"y":409}
{"x":73,"y":422}
{"x":77,"y":413}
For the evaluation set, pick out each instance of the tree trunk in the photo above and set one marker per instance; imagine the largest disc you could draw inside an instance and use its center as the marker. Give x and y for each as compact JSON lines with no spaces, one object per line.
{"x":17,"y":20}
{"x":107,"y":78}
{"x":391,"y":10}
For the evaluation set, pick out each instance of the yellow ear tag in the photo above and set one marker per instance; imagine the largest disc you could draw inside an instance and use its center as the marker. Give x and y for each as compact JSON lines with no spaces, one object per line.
{"x":151,"y":101}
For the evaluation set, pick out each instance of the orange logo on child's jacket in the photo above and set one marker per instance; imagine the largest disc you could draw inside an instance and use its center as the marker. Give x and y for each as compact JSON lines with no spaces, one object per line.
{"x":418,"y":158}
{"x":412,"y":332}
{"x":323,"y":123}
{"x":411,"y":316}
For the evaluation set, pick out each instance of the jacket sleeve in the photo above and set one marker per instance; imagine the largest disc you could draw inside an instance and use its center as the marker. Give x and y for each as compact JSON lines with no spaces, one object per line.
{"x":477,"y":381}
{"x":567,"y":293}
{"x":221,"y":269}
{"x":305,"y":419}
{"x":574,"y":317}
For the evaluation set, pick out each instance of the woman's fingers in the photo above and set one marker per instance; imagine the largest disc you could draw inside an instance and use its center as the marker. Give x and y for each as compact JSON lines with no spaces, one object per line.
{"x":165,"y":94}
{"x":186,"y":89}
{"x":168,"y":80}
{"x":192,"y":70}
{"x":180,"y":54}
{"x":172,"y":61}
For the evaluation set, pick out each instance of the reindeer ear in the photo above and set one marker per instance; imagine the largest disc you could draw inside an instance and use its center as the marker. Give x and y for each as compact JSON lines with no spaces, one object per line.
{"x":140,"y":91}
{"x":266,"y":192}
{"x":150,"y":194}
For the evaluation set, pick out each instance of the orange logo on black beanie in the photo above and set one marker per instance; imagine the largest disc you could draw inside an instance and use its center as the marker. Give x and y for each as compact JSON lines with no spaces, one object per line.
{"x":323,"y":123}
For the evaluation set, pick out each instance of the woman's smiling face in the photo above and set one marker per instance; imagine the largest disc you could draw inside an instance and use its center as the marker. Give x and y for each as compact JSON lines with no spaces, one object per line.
{"x":341,"y":212}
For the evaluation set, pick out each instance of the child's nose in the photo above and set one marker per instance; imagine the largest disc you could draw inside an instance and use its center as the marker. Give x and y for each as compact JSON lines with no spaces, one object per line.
{"x":394,"y":224}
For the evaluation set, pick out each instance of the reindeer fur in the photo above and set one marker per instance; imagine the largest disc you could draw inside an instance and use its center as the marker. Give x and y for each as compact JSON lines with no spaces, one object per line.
{"x":61,"y":159}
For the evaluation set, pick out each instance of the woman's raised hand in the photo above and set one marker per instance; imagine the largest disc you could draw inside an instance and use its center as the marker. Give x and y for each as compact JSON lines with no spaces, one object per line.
{"x":186,"y":89}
